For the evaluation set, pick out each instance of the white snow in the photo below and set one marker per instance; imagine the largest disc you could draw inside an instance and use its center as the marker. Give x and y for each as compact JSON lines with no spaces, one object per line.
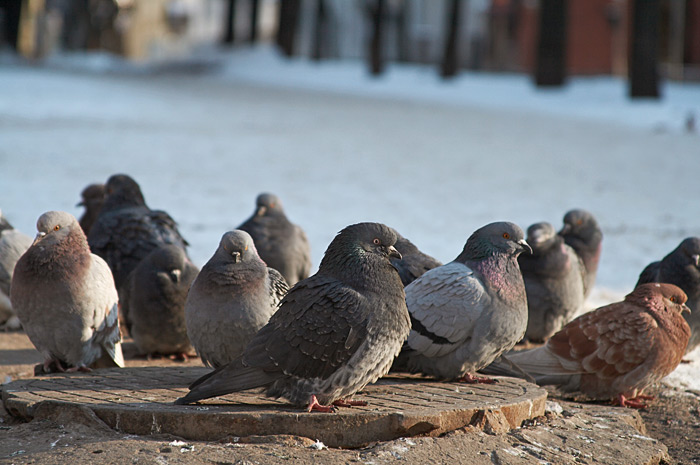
{"x":433,"y":159}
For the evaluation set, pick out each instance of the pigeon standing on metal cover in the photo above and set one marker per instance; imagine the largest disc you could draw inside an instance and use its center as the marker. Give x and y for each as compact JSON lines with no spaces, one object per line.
{"x":554,"y":278}
{"x":281,"y":244}
{"x":334,"y":332}
{"x":156,"y":291}
{"x":93,"y":197}
{"x":682,"y":268}
{"x":582,"y":233}
{"x":65,"y":298}
{"x":615,"y":351}
{"x":13,"y":244}
{"x":233,"y":297}
{"x":413,"y":262}
{"x":468,"y":312}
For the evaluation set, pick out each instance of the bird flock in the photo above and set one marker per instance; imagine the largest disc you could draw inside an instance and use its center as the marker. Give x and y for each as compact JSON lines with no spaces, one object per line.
{"x":376,"y":304}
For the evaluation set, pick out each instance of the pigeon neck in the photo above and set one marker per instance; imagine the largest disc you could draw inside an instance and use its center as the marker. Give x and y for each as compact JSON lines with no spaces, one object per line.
{"x":118,"y":200}
{"x":69,"y":257}
{"x":502,"y":274}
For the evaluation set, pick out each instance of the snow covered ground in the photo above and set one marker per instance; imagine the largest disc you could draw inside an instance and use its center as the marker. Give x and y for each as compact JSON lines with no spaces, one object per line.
{"x":433,"y":159}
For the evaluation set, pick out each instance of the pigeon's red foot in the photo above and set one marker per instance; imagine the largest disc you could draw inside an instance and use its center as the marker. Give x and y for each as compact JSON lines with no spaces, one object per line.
{"x":314,"y":405}
{"x":471,"y":379}
{"x":349,"y":403}
{"x":181,"y":357}
{"x":82,"y":368}
{"x":634,"y":402}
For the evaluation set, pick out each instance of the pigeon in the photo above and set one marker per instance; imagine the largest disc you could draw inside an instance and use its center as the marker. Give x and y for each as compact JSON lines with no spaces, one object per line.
{"x":233,"y":297}
{"x":92,"y":198}
{"x":582,"y":233}
{"x":413,"y":262}
{"x":554,"y":278}
{"x":466,"y":313}
{"x":156,"y":291}
{"x":682,"y":268}
{"x":615,"y":351}
{"x":280,"y":243}
{"x":334,"y":333}
{"x":126,"y":230}
{"x":13,"y":244}
{"x":65,"y":298}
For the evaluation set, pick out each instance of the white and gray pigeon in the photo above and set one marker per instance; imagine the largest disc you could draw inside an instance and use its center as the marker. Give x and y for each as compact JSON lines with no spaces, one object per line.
{"x":65,"y":298}
{"x":156,"y":292}
{"x":13,"y":244}
{"x":93,"y":196}
{"x":582,"y":233}
{"x":234,"y":296}
{"x":281,"y":244}
{"x":554,"y":278}
{"x":682,"y":268}
{"x":468,"y":312}
{"x":126,"y":229}
{"x":334,"y":332}
{"x":413,"y":263}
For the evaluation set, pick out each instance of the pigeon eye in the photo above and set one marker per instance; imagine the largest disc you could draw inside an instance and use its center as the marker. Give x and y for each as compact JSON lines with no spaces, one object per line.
{"x":506,"y":236}
{"x":57,"y":227}
{"x":673,"y":299}
{"x":376,"y":241}
{"x":579,"y":222}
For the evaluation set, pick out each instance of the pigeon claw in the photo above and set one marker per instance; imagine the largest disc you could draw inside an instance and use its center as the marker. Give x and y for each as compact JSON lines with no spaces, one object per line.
{"x":314,"y":405}
{"x":634,"y":402}
{"x":349,"y":403}
{"x":471,"y":379}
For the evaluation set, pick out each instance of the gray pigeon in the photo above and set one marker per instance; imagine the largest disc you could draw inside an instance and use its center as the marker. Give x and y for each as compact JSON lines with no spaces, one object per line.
{"x":65,"y":298}
{"x":554,"y":277}
{"x":13,"y":244}
{"x":233,"y":297}
{"x":156,"y":292}
{"x":468,"y":312}
{"x":126,"y":230}
{"x":334,"y":332}
{"x":682,"y":268}
{"x":582,"y":233}
{"x":280,"y":243}
{"x":93,"y":196}
{"x":413,"y":263}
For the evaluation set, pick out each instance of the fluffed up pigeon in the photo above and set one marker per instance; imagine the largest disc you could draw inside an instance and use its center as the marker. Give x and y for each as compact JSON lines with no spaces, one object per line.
{"x":126,"y":230}
{"x":615,"y":351}
{"x":281,"y":244}
{"x":468,"y":312}
{"x":233,"y":297}
{"x":65,"y":298}
{"x":334,"y":332}
{"x":413,"y":263}
{"x":93,"y":196}
{"x":13,"y":244}
{"x":156,"y":292}
{"x":554,"y":279}
{"x":582,"y":233}
{"x":682,"y":268}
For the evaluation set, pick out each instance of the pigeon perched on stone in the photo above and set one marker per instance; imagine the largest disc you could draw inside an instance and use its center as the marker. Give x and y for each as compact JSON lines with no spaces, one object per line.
{"x":468,"y":312}
{"x":413,"y":263}
{"x":126,"y":230}
{"x":682,"y":268}
{"x":554,"y":278}
{"x":65,"y":298}
{"x":93,"y":197}
{"x":582,"y":233}
{"x":281,"y":244}
{"x":233,"y":297}
{"x":334,"y":332}
{"x":156,"y":292}
{"x":615,"y":351}
{"x":13,"y":244}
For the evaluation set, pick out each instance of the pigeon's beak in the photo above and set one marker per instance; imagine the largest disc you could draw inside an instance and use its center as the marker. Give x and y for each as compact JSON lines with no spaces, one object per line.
{"x":525,"y":246}
{"x":175,"y":275}
{"x":38,"y":237}
{"x":696,"y":259}
{"x":685,"y":308}
{"x":392,"y":252}
{"x":565,"y":229}
{"x":262,"y":209}
{"x":80,"y":204}
{"x":236,"y":256}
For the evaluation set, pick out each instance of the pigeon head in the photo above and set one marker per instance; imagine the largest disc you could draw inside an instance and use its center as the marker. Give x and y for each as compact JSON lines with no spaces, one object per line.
{"x":370,"y":242}
{"x":4,"y":224}
{"x":122,"y":191}
{"x":169,"y":261}
{"x":494,"y":238}
{"x":580,"y":223}
{"x":541,"y":236}
{"x":690,"y":248}
{"x":267,"y":204}
{"x":93,"y":194}
{"x":55,"y":227}
{"x":237,"y":246}
{"x":660,"y":299}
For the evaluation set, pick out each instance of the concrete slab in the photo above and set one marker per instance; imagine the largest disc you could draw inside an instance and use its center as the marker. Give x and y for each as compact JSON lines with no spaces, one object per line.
{"x":138,"y":400}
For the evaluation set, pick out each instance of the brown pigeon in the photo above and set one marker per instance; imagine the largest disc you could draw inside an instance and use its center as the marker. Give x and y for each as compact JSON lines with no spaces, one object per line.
{"x":65,"y":298}
{"x":615,"y":351}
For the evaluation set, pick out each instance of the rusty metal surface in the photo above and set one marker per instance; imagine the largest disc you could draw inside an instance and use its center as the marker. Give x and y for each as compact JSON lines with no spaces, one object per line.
{"x":139,"y":400}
